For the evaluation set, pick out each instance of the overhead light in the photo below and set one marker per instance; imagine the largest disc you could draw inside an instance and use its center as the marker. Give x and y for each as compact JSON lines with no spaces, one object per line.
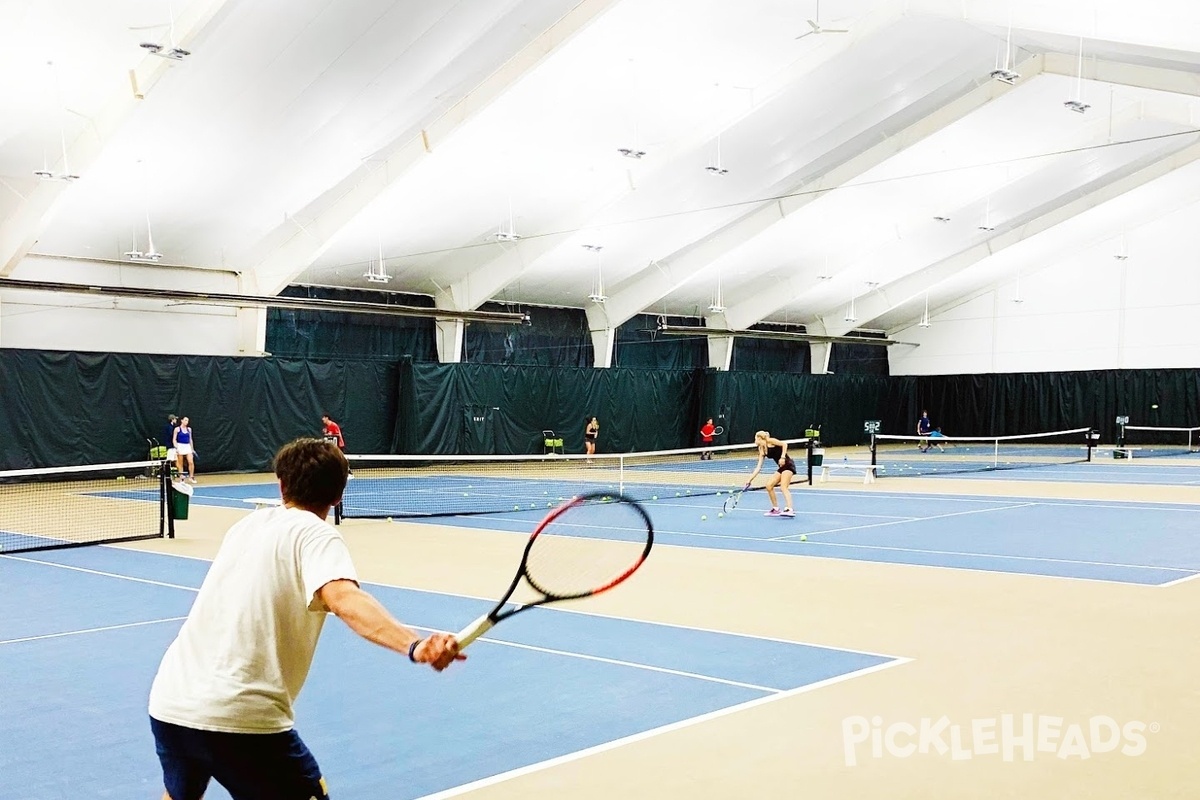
{"x":987,"y":225}
{"x":597,"y":296}
{"x":1076,"y":104}
{"x":924,"y":323}
{"x":941,"y":219}
{"x":716,"y":309}
{"x":850,"y":315}
{"x":170,"y":51}
{"x":150,"y":256}
{"x":164,"y":51}
{"x":47,"y":174}
{"x":717,"y":168}
{"x":376,"y":271}
{"x":1005,"y":76}
{"x":508,"y":234}
{"x":630,"y":152}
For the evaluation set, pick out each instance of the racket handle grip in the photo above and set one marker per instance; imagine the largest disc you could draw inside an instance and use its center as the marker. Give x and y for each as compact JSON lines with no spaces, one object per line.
{"x":473,"y":631}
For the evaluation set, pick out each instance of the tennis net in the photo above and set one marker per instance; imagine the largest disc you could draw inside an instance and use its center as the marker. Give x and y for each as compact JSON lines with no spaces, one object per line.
{"x":422,"y":486}
{"x":1150,"y":441}
{"x":945,"y":455}
{"x":43,"y":509}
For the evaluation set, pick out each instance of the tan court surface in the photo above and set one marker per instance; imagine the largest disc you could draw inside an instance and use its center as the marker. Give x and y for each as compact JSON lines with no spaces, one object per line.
{"x":983,"y":645}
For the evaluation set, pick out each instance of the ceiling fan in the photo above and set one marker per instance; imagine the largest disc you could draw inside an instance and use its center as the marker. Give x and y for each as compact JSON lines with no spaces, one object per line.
{"x":817,"y":27}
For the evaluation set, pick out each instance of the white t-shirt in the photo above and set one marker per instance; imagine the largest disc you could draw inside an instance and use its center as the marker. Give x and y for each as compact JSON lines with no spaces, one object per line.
{"x":244,"y":651}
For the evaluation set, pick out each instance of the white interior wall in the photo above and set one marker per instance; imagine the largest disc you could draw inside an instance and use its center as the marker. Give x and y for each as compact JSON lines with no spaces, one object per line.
{"x":84,"y":322}
{"x":1086,"y":311}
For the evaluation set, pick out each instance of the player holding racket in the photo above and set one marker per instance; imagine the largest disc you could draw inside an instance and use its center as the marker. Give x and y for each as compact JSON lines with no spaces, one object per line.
{"x":707,"y":432}
{"x":221,"y":703}
{"x":776,"y":450}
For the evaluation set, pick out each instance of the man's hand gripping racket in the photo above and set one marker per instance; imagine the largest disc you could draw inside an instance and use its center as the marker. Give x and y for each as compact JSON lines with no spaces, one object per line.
{"x":561,"y":564}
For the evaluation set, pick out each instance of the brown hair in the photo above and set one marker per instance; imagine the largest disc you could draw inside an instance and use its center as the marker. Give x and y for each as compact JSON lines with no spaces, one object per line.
{"x":312,"y":472}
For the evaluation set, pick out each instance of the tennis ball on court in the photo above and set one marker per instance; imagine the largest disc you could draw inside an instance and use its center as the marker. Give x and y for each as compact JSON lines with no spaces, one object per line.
{"x":803,"y":538}
{"x":703,"y":516}
{"x":122,"y":477}
{"x":654,"y":498}
{"x":389,"y":519}
{"x":516,"y":508}
{"x":720,"y":514}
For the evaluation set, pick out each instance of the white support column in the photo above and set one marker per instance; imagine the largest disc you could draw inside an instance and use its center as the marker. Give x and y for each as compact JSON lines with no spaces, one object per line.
{"x":819,"y":353}
{"x":603,"y":340}
{"x":450,"y":340}
{"x":720,"y":352}
{"x":252,"y":331}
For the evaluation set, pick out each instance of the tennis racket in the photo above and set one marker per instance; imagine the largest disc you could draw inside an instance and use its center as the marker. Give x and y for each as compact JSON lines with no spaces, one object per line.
{"x":559,"y":564}
{"x":734,"y":498}
{"x":718,"y":431}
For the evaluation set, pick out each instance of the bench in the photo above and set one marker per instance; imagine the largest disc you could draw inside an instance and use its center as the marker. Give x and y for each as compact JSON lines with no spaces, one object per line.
{"x":262,"y":502}
{"x":867,"y":470}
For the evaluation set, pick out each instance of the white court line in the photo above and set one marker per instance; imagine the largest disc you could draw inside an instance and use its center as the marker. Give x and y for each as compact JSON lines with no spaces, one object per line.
{"x":662,"y":729}
{"x":945,"y":498}
{"x":792,"y":536}
{"x":90,"y":630}
{"x":581,"y":656}
{"x":1184,"y":579}
{"x":621,"y":663}
{"x":1002,"y":557}
{"x":102,"y":573}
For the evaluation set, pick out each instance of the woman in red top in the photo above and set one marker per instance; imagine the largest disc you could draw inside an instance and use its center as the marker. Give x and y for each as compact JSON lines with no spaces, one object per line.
{"x":333,"y":431}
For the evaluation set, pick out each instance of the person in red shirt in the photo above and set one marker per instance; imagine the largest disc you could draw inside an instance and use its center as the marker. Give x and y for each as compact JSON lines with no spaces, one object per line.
{"x":707,"y":432}
{"x":333,"y":432}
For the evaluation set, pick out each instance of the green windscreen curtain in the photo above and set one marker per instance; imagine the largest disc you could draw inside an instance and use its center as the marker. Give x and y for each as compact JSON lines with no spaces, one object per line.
{"x":638,"y":344}
{"x":638,"y":409}
{"x":69,"y":408}
{"x":66,"y":409}
{"x":771,"y":355}
{"x":554,"y":337}
{"x":294,"y":333}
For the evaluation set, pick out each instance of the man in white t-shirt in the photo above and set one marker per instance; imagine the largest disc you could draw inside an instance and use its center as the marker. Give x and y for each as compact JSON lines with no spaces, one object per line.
{"x":221,"y":703}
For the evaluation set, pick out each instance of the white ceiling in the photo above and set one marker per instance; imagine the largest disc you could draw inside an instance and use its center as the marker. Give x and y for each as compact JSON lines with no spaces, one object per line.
{"x":289,"y":146}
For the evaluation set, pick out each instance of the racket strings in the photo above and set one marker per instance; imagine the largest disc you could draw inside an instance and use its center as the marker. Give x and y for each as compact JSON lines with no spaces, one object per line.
{"x":568,"y":559}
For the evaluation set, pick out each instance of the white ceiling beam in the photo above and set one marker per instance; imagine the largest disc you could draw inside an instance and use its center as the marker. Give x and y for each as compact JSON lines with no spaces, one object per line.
{"x":20,"y":231}
{"x":1138,"y":76}
{"x":670,"y":273}
{"x":485,"y":281}
{"x":1107,"y":187}
{"x":315,"y":230}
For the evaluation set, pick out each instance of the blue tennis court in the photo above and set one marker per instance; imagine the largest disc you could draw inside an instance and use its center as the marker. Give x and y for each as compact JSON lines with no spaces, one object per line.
{"x":549,"y":684}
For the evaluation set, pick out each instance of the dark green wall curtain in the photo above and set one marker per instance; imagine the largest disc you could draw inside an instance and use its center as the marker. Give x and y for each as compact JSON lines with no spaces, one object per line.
{"x":60,"y":409}
{"x":638,"y":344}
{"x":554,"y":337}
{"x":63,"y":409}
{"x":638,"y":409}
{"x":330,"y":334}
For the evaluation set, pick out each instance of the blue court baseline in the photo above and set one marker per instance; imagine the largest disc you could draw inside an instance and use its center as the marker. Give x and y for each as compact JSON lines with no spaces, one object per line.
{"x":544,"y":685}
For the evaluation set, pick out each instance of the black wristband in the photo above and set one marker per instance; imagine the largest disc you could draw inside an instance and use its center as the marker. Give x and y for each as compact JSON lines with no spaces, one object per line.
{"x":412,"y":651}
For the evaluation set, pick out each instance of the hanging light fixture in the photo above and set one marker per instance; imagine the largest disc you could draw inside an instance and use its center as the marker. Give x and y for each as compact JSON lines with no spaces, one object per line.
{"x":851,"y":316}
{"x":597,"y":295}
{"x":924,"y":323}
{"x":1006,"y":74}
{"x":718,"y":303}
{"x":46,"y":173}
{"x":377,"y":270}
{"x":150,"y":256}
{"x":508,"y":234}
{"x":987,"y":225}
{"x":1017,"y":297}
{"x":1076,"y":103}
{"x":717,"y":168}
